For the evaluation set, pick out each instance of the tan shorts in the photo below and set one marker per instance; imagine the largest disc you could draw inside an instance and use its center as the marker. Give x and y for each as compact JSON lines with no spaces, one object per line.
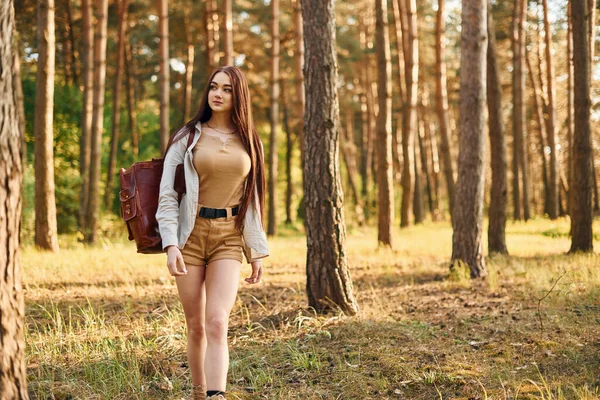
{"x":211,"y":240}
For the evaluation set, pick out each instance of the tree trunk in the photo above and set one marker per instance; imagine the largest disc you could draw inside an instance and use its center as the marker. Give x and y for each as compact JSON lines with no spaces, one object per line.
{"x":591,"y":42}
{"x":163,"y":81}
{"x":212,"y":34}
{"x":537,"y":98}
{"x":498,"y":195}
{"x":328,"y":281}
{"x":13,"y":374}
{"x":129,"y":68}
{"x":298,"y":67}
{"x":87,"y":111}
{"x":442,"y":101}
{"x":114,"y":141}
{"x":18,"y":94}
{"x":45,"y":204}
{"x":67,"y":45}
{"x":581,"y":219}
{"x":424,"y":156}
{"x":189,"y":66}
{"x":93,"y":211}
{"x":349,"y":155}
{"x":289,"y":184}
{"x":467,"y":221}
{"x":385,"y":183}
{"x":272,"y":222}
{"x":228,"y":32}
{"x":552,"y":138}
{"x":570,"y":116}
{"x":435,"y":168}
{"x":396,"y":146}
{"x":410,"y":121}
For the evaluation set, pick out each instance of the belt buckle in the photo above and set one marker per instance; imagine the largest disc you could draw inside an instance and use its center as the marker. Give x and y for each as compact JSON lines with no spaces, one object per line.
{"x":206,"y":212}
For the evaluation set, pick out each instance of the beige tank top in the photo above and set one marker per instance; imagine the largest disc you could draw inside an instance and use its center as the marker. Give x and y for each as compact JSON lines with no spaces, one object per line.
{"x":222,"y":167}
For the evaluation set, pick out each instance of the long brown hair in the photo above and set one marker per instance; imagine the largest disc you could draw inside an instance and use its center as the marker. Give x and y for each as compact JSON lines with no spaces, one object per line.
{"x":241,"y":115}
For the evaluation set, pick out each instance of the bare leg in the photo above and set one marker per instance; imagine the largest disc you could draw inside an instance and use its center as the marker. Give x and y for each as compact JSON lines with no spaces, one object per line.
{"x":222,"y":278}
{"x":192,"y":294}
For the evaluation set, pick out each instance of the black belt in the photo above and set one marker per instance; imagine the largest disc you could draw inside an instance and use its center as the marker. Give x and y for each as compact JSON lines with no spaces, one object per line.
{"x":206,"y":212}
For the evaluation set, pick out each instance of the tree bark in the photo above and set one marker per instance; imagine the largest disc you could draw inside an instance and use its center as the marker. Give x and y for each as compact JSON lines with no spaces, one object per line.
{"x":273,"y":159}
{"x":46,"y":235}
{"x":442,"y":102}
{"x":129,"y":67}
{"x":13,"y":374}
{"x":397,"y":133}
{"x":349,"y":154}
{"x":592,"y":41}
{"x":581,"y":219}
{"x":212,"y":34}
{"x":298,"y":67}
{"x":93,"y":211}
{"x":468,"y":212}
{"x":552,"y":139}
{"x":123,"y":6}
{"x":289,"y":184}
{"x":410,"y":121}
{"x":328,"y":281}
{"x":87,"y":111}
{"x":189,"y":66}
{"x":498,"y":195}
{"x":67,"y":45}
{"x":18,"y":94}
{"x":418,"y":210}
{"x":424,"y":155}
{"x":570,"y":100}
{"x":385,"y":183}
{"x":163,"y":80}
{"x":228,"y":32}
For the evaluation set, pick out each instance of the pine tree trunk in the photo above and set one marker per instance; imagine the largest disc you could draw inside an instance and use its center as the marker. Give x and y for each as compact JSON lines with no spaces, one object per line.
{"x":73,"y":44}
{"x":299,"y":75}
{"x":163,"y":80}
{"x":467,"y":219}
{"x":424,"y":157}
{"x":591,"y":42}
{"x":519,"y":126}
{"x":552,"y":138}
{"x":385,"y":183}
{"x":289,"y":184}
{"x":581,"y":218}
{"x":227,"y":32}
{"x":87,"y":111}
{"x":45,"y":204}
{"x":189,"y":66}
{"x":570,"y":100}
{"x":212,"y":34}
{"x":18,"y":94}
{"x":13,"y":374}
{"x":518,"y":109}
{"x":397,"y":133}
{"x":349,"y":154}
{"x":67,"y":45}
{"x":498,"y":196}
{"x":537,"y":98}
{"x":123,"y":6}
{"x":435,"y":169}
{"x":410,"y":121}
{"x":418,"y":211}
{"x":442,"y":101}
{"x":328,"y":281}
{"x":131,"y":111}
{"x":272,"y":222}
{"x":93,"y":211}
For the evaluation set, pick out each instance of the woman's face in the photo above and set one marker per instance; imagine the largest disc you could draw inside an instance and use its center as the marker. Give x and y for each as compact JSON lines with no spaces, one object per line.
{"x":220,"y":95}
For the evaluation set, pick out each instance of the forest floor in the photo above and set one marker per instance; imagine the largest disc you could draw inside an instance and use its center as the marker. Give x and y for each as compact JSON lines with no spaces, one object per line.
{"x":106,"y":323}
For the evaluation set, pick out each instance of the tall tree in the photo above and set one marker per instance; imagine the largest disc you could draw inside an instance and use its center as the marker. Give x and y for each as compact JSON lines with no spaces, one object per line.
{"x":18,"y":93}
{"x":410,"y":121}
{"x":441,"y":100}
{"x":132,"y":121}
{"x":46,"y":235}
{"x":385,"y":183}
{"x":272,"y":221}
{"x":349,"y":155}
{"x":87,"y":110}
{"x":299,"y":78}
{"x":211,"y":15}
{"x":498,"y":197}
{"x":189,"y":65}
{"x":570,"y":111}
{"x":13,"y":375}
{"x":289,"y":144}
{"x":328,"y":282}
{"x":467,"y":218}
{"x":228,"y":32}
{"x":163,"y":80}
{"x":551,"y":121}
{"x":581,"y":218}
{"x":93,"y":211}
{"x":400,"y":83}
{"x":123,"y":6}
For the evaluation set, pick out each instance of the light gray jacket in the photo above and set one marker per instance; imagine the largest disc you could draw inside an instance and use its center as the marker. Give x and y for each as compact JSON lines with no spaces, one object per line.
{"x":176,"y":221}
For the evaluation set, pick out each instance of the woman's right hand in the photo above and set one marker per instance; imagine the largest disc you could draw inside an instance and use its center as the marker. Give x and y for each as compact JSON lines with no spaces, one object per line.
{"x":175,"y":261}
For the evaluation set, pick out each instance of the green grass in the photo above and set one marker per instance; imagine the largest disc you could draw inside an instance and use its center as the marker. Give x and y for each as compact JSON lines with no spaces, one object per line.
{"x":106,"y":323}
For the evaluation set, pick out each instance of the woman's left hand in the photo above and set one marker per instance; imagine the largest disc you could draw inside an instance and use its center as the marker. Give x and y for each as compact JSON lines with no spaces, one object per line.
{"x":256,"y":272}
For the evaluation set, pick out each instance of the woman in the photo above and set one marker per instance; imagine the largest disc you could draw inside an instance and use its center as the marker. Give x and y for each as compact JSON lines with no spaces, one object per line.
{"x":218,"y":218}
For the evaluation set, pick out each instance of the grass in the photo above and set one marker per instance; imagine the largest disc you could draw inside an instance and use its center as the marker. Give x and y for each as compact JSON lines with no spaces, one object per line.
{"x":106,"y":323}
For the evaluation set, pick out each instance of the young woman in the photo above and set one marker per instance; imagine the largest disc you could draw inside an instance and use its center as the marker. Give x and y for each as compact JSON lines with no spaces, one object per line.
{"x":219,"y":218}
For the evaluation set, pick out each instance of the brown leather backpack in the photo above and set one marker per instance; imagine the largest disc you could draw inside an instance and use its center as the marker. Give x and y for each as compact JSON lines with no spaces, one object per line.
{"x":140,"y":187}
